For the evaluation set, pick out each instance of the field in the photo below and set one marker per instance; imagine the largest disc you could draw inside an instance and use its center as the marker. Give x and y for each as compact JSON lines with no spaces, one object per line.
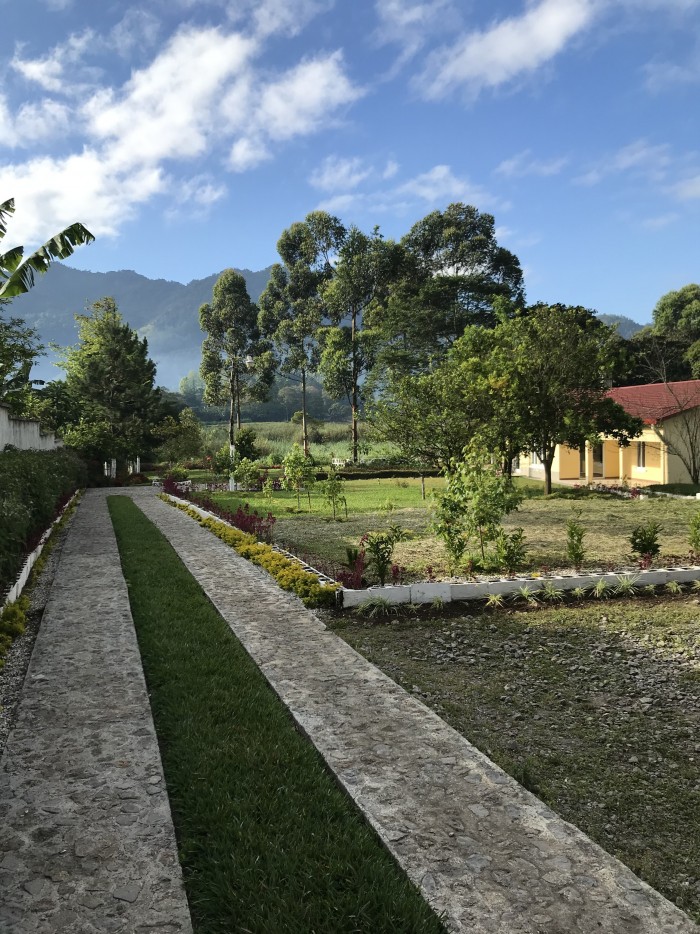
{"x":595,"y":709}
{"x":375,"y":504}
{"x":327,"y":440}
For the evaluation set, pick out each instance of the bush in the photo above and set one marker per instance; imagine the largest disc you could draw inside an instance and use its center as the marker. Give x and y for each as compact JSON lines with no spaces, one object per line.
{"x":645,"y":540}
{"x":575,"y":533}
{"x":694,"y":537}
{"x":34,"y":486}
{"x":288,"y":574}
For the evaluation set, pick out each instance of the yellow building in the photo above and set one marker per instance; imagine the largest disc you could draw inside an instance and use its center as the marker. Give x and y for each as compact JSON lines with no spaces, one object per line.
{"x":663,"y":453}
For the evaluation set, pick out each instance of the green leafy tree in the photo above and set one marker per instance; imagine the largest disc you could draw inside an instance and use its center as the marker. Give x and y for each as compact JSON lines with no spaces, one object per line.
{"x":299,"y":473}
{"x":181,"y":437}
{"x":17,"y":271}
{"x":19,"y":348}
{"x":449,"y":272}
{"x":555,"y":363}
{"x":348,"y":343}
{"x":111,"y":381}
{"x":291,"y":310}
{"x":236,"y":365}
{"x":477,"y":497}
{"x":333,"y":490}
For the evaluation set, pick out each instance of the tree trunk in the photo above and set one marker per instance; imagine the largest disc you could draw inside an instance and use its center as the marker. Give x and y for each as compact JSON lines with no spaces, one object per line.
{"x":548,"y":461}
{"x":355,"y":393}
{"x":304,"y":427}
{"x":231,"y":428}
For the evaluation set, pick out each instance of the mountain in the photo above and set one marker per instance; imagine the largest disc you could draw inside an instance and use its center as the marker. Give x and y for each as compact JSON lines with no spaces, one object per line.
{"x":164,"y":312}
{"x":626,"y":327}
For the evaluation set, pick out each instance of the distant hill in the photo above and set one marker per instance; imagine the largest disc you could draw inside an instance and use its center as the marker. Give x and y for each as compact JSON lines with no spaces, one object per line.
{"x":626,"y":327}
{"x":164,"y":312}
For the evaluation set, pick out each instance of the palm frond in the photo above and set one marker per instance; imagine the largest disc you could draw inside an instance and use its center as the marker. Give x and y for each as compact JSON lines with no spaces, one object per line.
{"x":6,"y":208}
{"x":21,"y":279}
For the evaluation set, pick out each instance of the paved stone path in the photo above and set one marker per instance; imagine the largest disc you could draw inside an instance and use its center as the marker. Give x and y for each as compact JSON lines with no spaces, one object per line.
{"x":86,"y":838}
{"x":480,"y":847}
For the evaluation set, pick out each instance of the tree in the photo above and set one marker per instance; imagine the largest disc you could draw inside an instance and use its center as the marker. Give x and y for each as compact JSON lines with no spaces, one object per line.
{"x":17,"y":272}
{"x":348,"y":343}
{"x":432,"y":417}
{"x":299,"y":473}
{"x":181,"y":437}
{"x":236,"y":364}
{"x":19,"y":348}
{"x":556,"y":363}
{"x":291,"y":311}
{"x":449,"y":272}
{"x":111,"y":381}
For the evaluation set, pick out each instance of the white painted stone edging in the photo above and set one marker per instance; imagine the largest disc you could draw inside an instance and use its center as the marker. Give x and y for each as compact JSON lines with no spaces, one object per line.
{"x":427,"y":592}
{"x":16,"y":590}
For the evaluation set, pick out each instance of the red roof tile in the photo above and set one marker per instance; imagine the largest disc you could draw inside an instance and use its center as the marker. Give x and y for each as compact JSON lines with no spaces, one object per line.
{"x":655,"y":402}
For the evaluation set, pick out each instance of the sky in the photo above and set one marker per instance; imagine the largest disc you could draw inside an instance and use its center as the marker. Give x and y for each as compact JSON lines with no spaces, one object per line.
{"x":188,"y":134}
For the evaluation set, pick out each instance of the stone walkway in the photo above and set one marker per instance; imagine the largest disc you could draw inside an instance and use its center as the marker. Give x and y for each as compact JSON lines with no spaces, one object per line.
{"x":481,"y":848}
{"x":86,"y":838}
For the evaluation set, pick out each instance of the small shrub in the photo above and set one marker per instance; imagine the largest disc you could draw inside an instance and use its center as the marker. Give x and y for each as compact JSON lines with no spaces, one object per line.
{"x":495,"y":601}
{"x":380,"y":547}
{"x":510,"y":550}
{"x":694,"y":536}
{"x":374,"y":607}
{"x":579,"y":593}
{"x":246,"y":474}
{"x":528,"y":594}
{"x":551,"y":593}
{"x":575,"y":533}
{"x":673,"y":587}
{"x":176,"y":474}
{"x":645,"y":540}
{"x":626,"y":586}
{"x":601,"y":589}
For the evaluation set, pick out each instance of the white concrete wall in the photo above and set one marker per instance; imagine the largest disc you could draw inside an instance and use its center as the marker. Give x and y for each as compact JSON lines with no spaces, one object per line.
{"x":25,"y":433}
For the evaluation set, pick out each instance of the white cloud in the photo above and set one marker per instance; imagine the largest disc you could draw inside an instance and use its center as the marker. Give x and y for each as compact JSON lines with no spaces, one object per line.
{"x":660,"y":222}
{"x":506,"y":50}
{"x":55,"y":71}
{"x":435,"y":188}
{"x":137,"y":137}
{"x":136,"y":29}
{"x":410,"y":24}
{"x":286,"y":17}
{"x":390,"y":169}
{"x":168,"y":110}
{"x":34,"y":122}
{"x":298,"y":103}
{"x":688,"y":189}
{"x":640,"y":158}
{"x":338,"y":174}
{"x":523,"y":164}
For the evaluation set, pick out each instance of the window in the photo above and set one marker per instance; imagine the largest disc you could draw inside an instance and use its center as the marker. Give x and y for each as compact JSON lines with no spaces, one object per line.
{"x":535,"y":459}
{"x":641,"y":454}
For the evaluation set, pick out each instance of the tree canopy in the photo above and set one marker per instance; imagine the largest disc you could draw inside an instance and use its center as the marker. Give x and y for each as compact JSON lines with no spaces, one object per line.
{"x":110,"y":381}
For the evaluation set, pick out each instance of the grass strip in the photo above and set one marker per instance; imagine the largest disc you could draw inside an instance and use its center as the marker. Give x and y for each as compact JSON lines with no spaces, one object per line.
{"x":268,"y":841}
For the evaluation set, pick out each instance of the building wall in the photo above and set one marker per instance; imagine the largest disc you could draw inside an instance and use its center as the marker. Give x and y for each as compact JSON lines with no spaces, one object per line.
{"x":25,"y":433}
{"x":567,"y":462}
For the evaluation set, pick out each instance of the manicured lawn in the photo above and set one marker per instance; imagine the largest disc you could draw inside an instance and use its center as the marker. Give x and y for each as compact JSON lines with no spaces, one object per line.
{"x":375,"y":504}
{"x":267,"y":840}
{"x":593,"y":708}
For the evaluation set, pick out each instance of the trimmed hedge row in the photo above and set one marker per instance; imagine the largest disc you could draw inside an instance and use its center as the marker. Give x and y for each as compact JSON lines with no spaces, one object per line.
{"x":34,"y":486}
{"x":380,"y":473}
{"x":288,"y":574}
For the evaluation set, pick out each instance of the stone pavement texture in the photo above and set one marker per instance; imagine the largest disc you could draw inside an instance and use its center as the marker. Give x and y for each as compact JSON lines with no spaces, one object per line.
{"x":86,"y":837}
{"x":480,"y":847}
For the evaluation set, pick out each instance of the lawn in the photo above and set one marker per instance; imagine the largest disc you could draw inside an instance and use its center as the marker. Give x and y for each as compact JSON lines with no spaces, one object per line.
{"x":267,"y":839}
{"x":375,"y":504}
{"x":594,"y":708}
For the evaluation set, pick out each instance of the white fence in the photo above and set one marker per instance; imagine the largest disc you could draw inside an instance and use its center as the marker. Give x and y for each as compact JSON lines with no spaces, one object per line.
{"x":25,"y":433}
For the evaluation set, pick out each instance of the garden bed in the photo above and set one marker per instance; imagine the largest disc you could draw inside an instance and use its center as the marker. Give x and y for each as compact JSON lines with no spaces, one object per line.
{"x":595,"y":709}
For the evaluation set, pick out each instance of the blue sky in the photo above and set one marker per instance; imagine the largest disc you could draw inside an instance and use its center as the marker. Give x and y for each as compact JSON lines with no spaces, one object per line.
{"x":187,"y":134}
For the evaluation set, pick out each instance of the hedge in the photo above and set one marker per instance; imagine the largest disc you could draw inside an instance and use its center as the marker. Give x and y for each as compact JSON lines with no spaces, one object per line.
{"x":34,"y":486}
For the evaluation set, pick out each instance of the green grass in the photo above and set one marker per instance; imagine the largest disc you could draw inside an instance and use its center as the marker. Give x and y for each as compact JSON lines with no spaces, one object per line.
{"x":267,"y":840}
{"x":374,"y":504}
{"x":594,"y":708}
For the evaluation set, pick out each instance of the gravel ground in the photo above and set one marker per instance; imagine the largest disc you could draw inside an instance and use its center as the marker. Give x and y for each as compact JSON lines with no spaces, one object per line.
{"x":17,"y":660}
{"x":595,"y":708}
